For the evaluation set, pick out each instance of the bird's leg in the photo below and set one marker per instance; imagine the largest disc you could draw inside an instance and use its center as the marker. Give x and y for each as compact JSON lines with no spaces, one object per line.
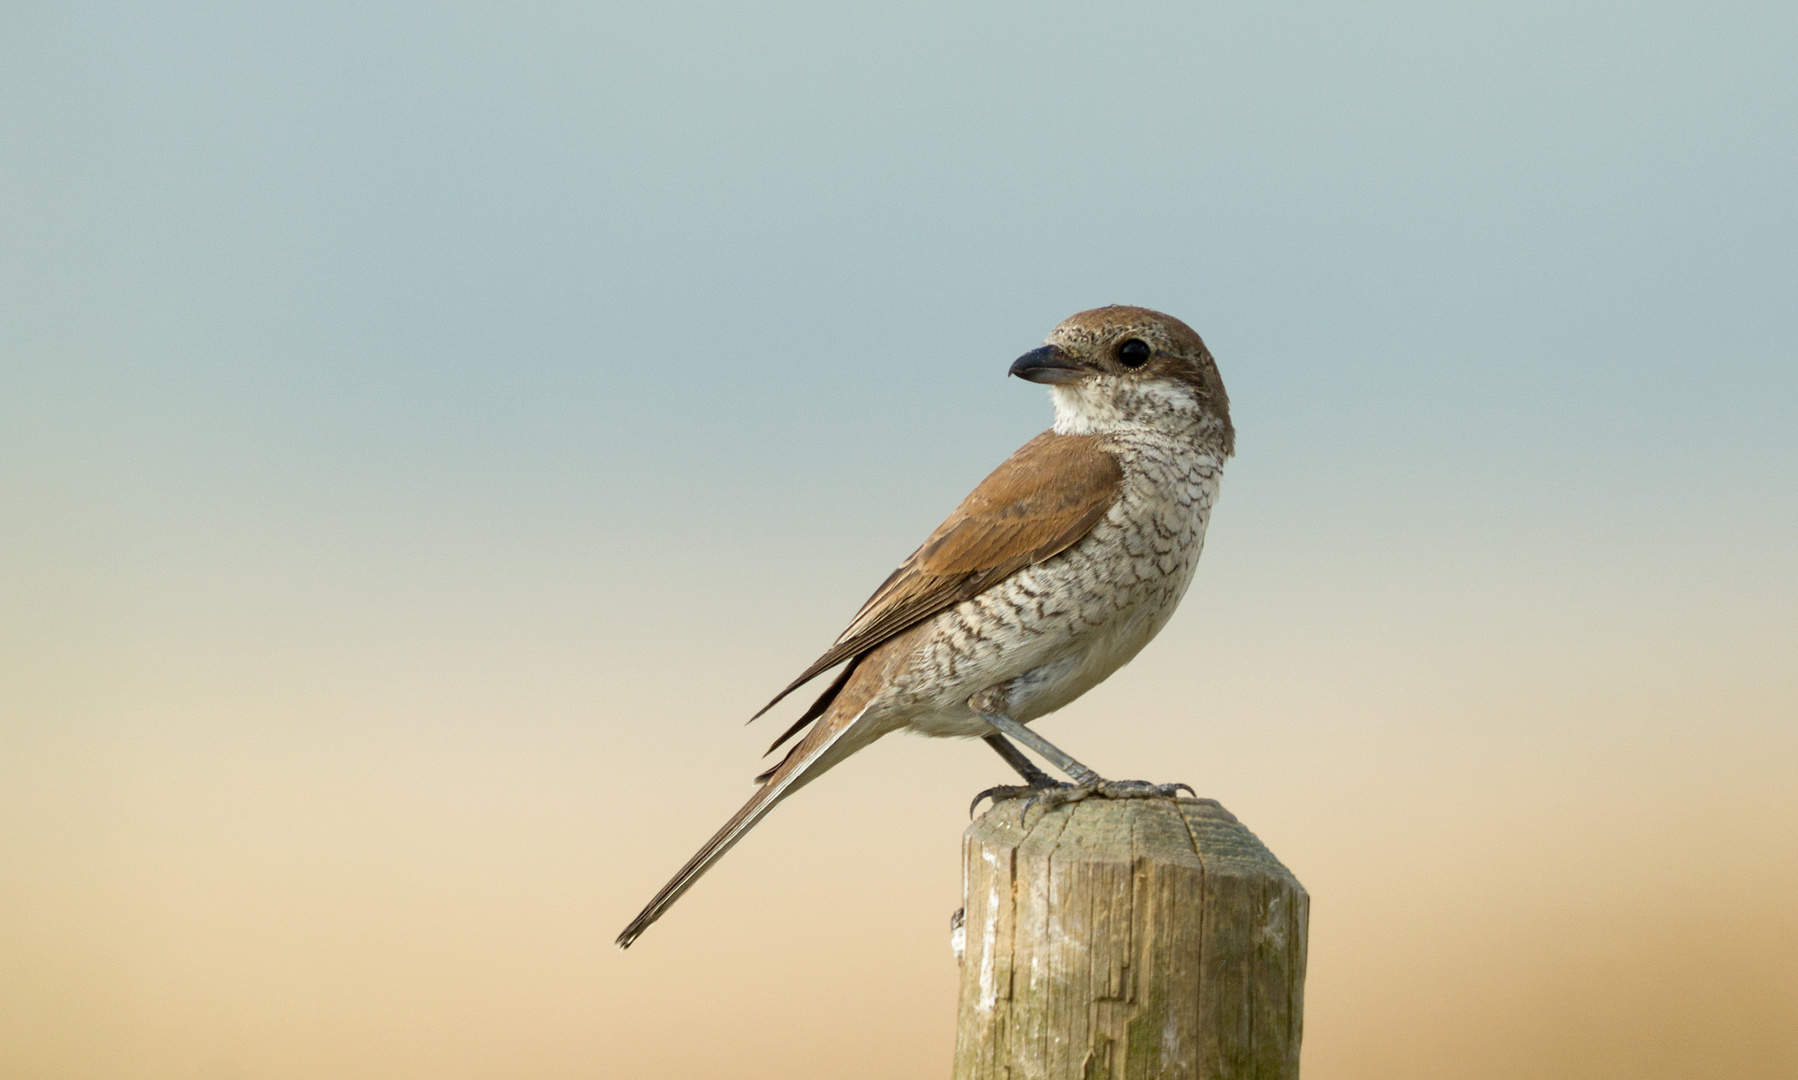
{"x":1014,"y":757}
{"x":1057,"y":757}
{"x":1035,"y":780}
{"x":1085,"y":781}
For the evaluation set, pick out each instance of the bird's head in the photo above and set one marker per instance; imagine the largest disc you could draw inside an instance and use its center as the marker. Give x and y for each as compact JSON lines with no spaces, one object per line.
{"x":1116,"y":368}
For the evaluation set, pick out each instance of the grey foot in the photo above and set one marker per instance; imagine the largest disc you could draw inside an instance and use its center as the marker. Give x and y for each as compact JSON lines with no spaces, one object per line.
{"x":1053,"y":795}
{"x":1003,"y":792}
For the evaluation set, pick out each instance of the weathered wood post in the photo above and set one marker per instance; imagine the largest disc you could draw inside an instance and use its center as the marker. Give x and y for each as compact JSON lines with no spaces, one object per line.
{"x":1138,"y":939}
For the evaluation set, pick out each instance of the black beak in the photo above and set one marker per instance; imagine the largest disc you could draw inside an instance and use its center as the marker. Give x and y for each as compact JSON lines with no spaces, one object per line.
{"x":1047,"y":365}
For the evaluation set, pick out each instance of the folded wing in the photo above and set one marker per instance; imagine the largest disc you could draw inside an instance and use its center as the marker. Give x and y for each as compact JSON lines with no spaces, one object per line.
{"x":1037,"y":504}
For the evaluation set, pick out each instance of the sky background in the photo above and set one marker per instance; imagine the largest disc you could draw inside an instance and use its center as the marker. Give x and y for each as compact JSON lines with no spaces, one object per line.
{"x":428,"y":431}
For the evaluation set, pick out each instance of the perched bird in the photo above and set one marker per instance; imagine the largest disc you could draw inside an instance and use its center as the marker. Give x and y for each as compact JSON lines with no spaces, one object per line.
{"x":1050,"y":576}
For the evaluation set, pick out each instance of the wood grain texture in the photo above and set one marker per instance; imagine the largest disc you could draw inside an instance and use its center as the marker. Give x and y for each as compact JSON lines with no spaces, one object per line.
{"x":1128,"y":940}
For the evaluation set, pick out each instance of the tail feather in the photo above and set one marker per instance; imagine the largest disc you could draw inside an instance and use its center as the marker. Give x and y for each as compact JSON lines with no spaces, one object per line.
{"x":825,"y":700}
{"x":804,"y":764}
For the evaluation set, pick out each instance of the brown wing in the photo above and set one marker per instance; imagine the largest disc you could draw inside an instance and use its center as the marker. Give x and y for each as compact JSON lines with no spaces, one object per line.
{"x":1037,"y":504}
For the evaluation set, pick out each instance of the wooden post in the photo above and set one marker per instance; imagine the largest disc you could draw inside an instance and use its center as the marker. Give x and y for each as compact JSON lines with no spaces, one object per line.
{"x":1127,"y":940}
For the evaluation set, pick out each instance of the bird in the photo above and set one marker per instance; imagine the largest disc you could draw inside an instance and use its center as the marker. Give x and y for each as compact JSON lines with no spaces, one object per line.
{"x":1052,"y":574}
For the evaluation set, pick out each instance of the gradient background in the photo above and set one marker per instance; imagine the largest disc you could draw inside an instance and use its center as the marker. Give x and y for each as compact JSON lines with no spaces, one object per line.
{"x":427,"y":431}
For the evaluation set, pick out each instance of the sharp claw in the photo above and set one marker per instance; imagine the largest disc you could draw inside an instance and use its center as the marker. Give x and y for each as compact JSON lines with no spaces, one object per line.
{"x":1024,"y":815}
{"x":998,"y":793}
{"x":1188,"y":787}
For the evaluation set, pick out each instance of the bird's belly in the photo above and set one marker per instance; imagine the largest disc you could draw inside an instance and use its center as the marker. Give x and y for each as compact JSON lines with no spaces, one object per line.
{"x":1026,"y":668}
{"x":1042,"y":690}
{"x":1052,"y":631}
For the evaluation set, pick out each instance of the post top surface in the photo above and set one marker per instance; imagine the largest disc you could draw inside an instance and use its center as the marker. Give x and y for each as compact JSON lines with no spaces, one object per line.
{"x":1196,"y":832}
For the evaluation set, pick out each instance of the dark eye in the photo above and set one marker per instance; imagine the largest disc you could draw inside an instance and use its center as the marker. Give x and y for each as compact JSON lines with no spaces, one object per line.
{"x":1133,"y":353}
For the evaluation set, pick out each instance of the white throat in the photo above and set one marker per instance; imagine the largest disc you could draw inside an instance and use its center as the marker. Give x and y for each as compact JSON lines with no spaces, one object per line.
{"x":1091,"y":408}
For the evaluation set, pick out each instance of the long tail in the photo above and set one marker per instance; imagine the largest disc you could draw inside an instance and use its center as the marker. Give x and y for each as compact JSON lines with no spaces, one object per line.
{"x":823,"y":746}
